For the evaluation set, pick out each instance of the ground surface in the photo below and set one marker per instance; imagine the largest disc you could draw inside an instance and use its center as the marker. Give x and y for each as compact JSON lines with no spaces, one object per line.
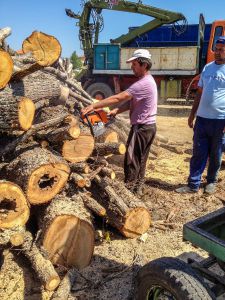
{"x":116,"y":260}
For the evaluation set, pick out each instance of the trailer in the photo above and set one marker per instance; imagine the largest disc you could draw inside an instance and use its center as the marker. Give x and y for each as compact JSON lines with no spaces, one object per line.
{"x":174,"y":279}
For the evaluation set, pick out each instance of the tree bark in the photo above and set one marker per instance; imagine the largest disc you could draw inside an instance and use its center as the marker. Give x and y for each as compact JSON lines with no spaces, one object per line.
{"x":63,"y":291}
{"x":67,"y":232}
{"x":42,"y":266}
{"x":103,"y":149}
{"x":6,"y":68}
{"x":80,"y":149}
{"x":15,"y":236}
{"x":40,"y":173}
{"x":14,"y":209}
{"x":130,"y":218}
{"x":16,"y":113}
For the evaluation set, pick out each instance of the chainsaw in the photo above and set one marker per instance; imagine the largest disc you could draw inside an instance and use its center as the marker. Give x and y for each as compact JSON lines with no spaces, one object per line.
{"x":97,"y":121}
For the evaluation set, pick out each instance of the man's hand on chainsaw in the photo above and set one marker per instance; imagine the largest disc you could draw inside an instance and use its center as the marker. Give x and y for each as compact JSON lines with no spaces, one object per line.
{"x":112,"y":113}
{"x":87,"y":109}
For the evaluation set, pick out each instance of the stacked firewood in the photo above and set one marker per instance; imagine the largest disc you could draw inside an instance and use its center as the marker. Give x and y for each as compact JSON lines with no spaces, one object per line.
{"x":54,"y":174}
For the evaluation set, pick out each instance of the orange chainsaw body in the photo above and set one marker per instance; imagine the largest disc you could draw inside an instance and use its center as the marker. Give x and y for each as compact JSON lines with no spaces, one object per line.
{"x":96,"y":117}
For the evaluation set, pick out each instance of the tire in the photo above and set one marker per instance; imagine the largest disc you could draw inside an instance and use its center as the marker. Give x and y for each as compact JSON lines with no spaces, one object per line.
{"x":99,"y":90}
{"x":170,"y":278}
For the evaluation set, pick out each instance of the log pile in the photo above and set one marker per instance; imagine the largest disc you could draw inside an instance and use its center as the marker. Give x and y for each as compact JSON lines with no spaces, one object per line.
{"x":54,"y":178}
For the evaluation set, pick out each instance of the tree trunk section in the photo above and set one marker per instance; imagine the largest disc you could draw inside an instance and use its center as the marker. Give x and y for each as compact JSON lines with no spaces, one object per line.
{"x":130,"y":218}
{"x":80,"y":149}
{"x":109,"y":136}
{"x":109,"y":148}
{"x":63,"y":291}
{"x":67,"y":232}
{"x":16,"y":113}
{"x":93,"y":205}
{"x":45,"y":48}
{"x":80,"y":167}
{"x":15,"y":236}
{"x":42,"y":266}
{"x":14,"y":209}
{"x":40,"y":173}
{"x":36,"y":86}
{"x":6,"y":68}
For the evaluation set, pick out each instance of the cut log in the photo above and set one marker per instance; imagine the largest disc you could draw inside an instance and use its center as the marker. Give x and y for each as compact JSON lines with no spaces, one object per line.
{"x":60,"y":134}
{"x":80,"y":167}
{"x":4,"y":33}
{"x":36,"y":86}
{"x":109,"y":136}
{"x":49,"y":112}
{"x":14,"y":209}
{"x":80,"y":149}
{"x":16,"y":113}
{"x":78,"y":180}
{"x":25,"y":136}
{"x":42,"y":266}
{"x":128,"y":215}
{"x":67,"y":232}
{"x":15,"y":236}
{"x":6,"y":68}
{"x":40,"y":173}
{"x":93,"y":205}
{"x":45,"y":48}
{"x":109,"y":148}
{"x":108,"y":172}
{"x":63,"y":291}
{"x":174,"y":149}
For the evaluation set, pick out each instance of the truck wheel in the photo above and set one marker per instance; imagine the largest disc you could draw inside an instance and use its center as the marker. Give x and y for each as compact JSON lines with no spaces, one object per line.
{"x":99,"y":90}
{"x":172,"y":279}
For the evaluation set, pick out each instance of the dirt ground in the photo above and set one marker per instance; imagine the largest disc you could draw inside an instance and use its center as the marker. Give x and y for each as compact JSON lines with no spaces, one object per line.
{"x":116,"y":260}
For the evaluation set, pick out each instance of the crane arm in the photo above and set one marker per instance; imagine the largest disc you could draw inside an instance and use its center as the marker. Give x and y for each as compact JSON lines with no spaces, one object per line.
{"x":160,"y":16}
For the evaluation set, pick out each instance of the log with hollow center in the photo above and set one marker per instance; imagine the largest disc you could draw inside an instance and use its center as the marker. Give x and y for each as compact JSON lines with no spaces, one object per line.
{"x":14,"y":209}
{"x":40,"y":173}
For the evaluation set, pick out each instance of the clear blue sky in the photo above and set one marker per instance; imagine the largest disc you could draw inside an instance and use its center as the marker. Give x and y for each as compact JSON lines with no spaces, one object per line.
{"x":25,"y":16}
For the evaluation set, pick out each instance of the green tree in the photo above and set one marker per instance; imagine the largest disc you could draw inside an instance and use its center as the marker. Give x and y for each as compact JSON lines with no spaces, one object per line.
{"x":76,"y":61}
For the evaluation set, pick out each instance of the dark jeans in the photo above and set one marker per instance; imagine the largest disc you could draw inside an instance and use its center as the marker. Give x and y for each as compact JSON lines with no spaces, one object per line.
{"x":138,"y":146}
{"x":209,"y":141}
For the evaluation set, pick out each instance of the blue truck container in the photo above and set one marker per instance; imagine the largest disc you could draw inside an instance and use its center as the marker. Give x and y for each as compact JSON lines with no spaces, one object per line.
{"x":106,"y":56}
{"x":167,"y":36}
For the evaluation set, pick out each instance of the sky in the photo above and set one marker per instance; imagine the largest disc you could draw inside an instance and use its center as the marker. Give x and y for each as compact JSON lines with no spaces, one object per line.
{"x":48,"y":16}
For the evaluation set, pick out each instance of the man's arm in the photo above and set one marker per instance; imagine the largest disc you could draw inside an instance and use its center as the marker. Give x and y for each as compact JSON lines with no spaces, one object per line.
{"x":194,"y":107}
{"x":112,"y":100}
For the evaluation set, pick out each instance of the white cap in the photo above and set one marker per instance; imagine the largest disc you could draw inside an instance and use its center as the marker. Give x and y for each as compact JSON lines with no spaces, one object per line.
{"x":140,"y":53}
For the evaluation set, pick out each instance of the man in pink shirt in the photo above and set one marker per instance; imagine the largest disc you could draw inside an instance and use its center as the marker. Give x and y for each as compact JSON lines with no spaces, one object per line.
{"x":141,"y":100}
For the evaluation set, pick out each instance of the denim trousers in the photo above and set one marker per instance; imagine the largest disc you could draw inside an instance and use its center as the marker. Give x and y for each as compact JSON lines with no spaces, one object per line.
{"x":208,"y":145}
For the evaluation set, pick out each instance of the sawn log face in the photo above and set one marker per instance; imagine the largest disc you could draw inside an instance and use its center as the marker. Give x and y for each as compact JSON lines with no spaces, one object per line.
{"x":40,"y":173}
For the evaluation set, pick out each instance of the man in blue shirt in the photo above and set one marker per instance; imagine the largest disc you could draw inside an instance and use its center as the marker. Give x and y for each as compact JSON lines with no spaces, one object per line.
{"x":209,"y":136}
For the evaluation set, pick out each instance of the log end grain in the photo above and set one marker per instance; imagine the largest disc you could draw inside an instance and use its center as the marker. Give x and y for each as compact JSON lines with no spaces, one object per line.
{"x":138,"y":221}
{"x":6,"y":68}
{"x":45,"y":48}
{"x":46,"y":182}
{"x":26,"y":111}
{"x":52,"y":283}
{"x":14,"y":209}
{"x":78,"y":150}
{"x":74,"y":131}
{"x":69,"y":241}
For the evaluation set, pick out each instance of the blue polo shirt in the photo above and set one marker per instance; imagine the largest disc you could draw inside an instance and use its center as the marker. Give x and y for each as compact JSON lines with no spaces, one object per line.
{"x":212,"y":103}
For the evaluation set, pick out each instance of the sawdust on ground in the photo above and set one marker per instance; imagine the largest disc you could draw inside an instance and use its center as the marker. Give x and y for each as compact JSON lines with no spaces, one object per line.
{"x":111,"y":274}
